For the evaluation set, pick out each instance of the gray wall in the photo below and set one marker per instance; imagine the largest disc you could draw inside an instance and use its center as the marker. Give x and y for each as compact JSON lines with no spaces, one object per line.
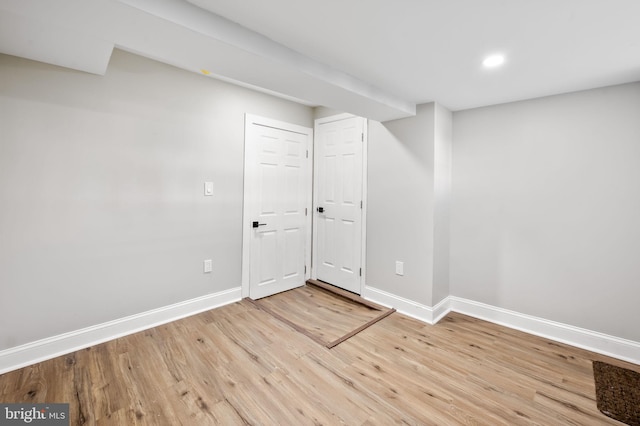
{"x":322,"y":112}
{"x":102,"y":213}
{"x":399,"y":202}
{"x":409,"y":190}
{"x":546,"y":208}
{"x":443,"y":144}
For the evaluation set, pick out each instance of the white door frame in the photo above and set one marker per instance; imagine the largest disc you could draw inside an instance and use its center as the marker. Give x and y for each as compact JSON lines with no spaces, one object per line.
{"x":363,"y":246}
{"x":249,"y":197}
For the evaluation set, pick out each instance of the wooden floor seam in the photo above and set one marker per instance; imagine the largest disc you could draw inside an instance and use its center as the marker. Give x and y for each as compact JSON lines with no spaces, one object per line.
{"x":359,"y":329}
{"x":282,"y":319}
{"x":335,"y":292}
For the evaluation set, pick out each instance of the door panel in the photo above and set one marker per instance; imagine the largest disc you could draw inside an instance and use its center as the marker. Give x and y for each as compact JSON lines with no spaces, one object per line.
{"x":339,"y":186}
{"x":277,"y":197}
{"x":267,"y":244}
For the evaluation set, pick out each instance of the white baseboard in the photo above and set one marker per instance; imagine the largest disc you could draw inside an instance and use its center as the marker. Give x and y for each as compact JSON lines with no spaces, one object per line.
{"x":428,"y":314}
{"x":41,"y":350}
{"x":593,"y":341}
{"x":51,"y":347}
{"x":441,"y":309}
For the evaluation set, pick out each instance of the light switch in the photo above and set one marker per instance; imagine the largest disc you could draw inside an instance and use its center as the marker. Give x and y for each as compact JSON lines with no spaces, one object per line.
{"x":208,"y":189}
{"x":399,"y":268}
{"x":208,"y":266}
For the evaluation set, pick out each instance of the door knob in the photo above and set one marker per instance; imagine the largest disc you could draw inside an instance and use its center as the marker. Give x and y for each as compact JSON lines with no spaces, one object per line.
{"x":320,"y":209}
{"x":255,"y":224}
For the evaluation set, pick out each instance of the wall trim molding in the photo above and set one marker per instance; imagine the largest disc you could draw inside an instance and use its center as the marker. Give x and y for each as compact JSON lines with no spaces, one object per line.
{"x":441,"y":309}
{"x":62,"y":344}
{"x":424,"y":313}
{"x":604,"y":344}
{"x":615,"y":347}
{"x":51,"y":347}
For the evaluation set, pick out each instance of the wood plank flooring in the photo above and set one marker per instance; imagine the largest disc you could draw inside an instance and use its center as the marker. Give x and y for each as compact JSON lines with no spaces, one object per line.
{"x":326,"y":314}
{"x":238,"y":365}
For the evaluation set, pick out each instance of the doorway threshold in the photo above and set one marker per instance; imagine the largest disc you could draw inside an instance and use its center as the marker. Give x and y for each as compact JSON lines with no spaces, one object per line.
{"x":309,"y":325}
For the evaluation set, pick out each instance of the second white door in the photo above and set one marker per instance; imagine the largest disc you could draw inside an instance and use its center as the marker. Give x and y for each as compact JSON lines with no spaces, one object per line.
{"x":339,"y":201}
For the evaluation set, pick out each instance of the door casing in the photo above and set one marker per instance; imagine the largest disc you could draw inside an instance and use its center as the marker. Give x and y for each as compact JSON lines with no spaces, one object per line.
{"x":250,"y":196}
{"x":363,"y":244}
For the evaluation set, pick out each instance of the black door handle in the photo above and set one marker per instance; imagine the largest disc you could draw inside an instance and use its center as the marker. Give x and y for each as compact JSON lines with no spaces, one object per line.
{"x":320,"y":209}
{"x":255,"y":224}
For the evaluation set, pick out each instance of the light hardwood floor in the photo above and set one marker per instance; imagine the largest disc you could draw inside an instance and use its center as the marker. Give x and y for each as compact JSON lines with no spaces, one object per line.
{"x":239,"y":365}
{"x":324,"y":313}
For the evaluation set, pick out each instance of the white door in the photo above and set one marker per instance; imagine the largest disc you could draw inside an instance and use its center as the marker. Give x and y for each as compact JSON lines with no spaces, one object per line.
{"x":277,"y":226}
{"x":338,"y":203}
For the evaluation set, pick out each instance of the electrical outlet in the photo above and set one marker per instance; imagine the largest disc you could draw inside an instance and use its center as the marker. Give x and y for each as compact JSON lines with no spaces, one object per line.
{"x":208,"y":266}
{"x":399,"y":268}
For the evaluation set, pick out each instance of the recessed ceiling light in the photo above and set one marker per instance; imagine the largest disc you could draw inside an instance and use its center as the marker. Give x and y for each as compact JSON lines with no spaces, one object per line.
{"x":493,"y":61}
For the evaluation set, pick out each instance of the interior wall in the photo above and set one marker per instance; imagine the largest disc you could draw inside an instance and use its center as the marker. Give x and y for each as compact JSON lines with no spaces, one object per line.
{"x":101,"y":187}
{"x":443,"y":145}
{"x":545,"y":208}
{"x":400,"y":205}
{"x":322,"y":112}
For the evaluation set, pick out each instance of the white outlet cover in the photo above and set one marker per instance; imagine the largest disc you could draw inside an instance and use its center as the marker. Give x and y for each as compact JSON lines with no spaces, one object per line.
{"x":208,"y":266}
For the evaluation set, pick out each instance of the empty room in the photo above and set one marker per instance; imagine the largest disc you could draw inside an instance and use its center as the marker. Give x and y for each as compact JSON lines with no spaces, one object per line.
{"x":341,"y":212}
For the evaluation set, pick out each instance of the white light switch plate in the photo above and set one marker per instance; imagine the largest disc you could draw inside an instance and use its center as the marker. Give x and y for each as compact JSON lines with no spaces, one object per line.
{"x":208,"y":266}
{"x":399,"y":268}
{"x":208,"y":188}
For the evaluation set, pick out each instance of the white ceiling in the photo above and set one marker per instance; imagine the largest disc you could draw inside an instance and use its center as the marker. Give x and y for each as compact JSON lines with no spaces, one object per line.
{"x":376,"y":58}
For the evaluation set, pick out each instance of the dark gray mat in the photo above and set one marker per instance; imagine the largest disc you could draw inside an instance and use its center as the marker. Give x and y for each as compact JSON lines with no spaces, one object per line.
{"x":617,"y":392}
